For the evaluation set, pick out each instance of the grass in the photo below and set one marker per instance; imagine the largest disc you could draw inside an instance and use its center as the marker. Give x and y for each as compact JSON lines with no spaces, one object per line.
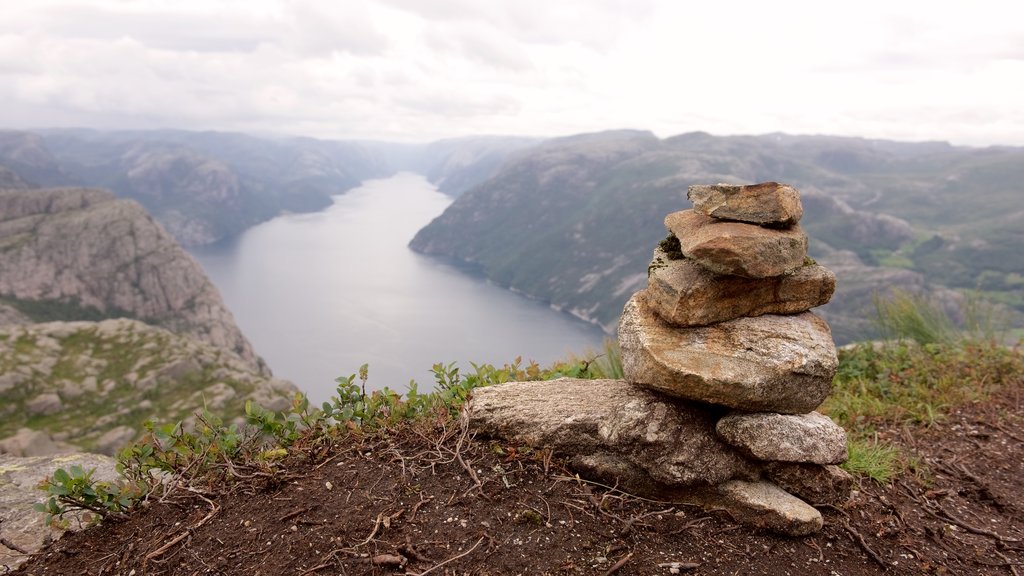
{"x":927,"y":367}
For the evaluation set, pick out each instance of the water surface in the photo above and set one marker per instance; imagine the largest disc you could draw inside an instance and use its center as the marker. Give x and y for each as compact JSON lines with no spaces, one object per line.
{"x":320,"y":294}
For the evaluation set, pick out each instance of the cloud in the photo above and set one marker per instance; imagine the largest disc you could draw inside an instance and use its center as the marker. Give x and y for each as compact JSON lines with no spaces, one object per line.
{"x":423,"y":69}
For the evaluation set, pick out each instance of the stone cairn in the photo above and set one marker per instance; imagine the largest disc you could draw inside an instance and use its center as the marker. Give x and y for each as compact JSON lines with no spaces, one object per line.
{"x":724,"y":367}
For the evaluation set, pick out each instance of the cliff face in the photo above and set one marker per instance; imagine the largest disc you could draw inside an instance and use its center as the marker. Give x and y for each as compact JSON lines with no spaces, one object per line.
{"x":85,"y":251}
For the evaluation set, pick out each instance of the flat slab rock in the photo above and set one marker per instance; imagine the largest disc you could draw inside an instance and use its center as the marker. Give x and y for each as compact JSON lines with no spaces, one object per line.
{"x":811,"y":438}
{"x":766,"y":505}
{"x":22,"y":525}
{"x":614,"y":429}
{"x":766,"y":203}
{"x":770,"y":363}
{"x":685,"y":293}
{"x":737,"y":248}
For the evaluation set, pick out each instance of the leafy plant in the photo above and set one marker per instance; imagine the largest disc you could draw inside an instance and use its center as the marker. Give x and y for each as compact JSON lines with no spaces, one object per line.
{"x":75,"y":490}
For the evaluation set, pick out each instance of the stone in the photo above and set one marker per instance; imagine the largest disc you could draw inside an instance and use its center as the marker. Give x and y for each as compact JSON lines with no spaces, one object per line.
{"x":768,"y":203}
{"x":819,"y":485}
{"x":770,"y":363}
{"x":28,"y":442}
{"x":737,"y":248}
{"x":767,"y":506}
{"x":44,"y":404}
{"x":113,"y":440}
{"x":24,"y":526}
{"x":812,"y":438}
{"x":615,"y":430}
{"x":684,"y":293}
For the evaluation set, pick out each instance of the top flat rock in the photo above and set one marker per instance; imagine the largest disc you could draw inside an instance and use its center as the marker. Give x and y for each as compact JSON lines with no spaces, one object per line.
{"x":768,"y":203}
{"x":738,"y":249}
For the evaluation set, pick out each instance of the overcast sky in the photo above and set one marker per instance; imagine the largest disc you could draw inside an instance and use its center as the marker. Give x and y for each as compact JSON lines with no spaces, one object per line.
{"x":416,"y":70}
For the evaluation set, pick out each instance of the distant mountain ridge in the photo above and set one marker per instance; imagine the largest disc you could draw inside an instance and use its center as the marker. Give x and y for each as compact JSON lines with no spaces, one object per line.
{"x":573,"y":221}
{"x":205,"y":187}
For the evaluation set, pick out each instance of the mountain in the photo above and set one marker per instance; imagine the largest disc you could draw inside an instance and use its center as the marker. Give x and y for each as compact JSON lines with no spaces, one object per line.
{"x":82,"y":254}
{"x":457,"y":164}
{"x":106,"y":322}
{"x":207,"y":186}
{"x":573,"y":221}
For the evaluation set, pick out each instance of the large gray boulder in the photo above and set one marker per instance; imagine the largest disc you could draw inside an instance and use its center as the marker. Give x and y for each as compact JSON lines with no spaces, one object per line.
{"x":613,"y":429}
{"x":770,"y":363}
{"x":20,"y":524}
{"x":767,"y":203}
{"x":736,"y":248}
{"x":812,"y":438}
{"x":684,"y":293}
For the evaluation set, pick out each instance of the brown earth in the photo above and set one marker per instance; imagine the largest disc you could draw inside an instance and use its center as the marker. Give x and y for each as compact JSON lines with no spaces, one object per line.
{"x":442,"y":503}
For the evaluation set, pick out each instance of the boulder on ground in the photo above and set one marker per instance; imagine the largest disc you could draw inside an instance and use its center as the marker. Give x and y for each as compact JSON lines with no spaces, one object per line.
{"x":811,"y":438}
{"x":770,"y":363}
{"x":684,"y":293}
{"x":614,"y":429}
{"x":737,"y":248}
{"x":768,"y":203}
{"x":28,"y":442}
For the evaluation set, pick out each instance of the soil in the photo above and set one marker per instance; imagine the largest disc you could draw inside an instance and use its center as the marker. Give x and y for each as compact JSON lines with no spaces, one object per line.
{"x":445,"y":504}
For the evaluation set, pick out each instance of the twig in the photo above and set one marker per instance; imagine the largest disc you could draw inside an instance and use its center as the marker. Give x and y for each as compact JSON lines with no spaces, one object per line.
{"x":295,"y":513}
{"x":174,"y":541}
{"x":1011,"y":564}
{"x":416,"y":506}
{"x":452,"y":559}
{"x":864,"y":545}
{"x":947,"y":517}
{"x":615,"y":567}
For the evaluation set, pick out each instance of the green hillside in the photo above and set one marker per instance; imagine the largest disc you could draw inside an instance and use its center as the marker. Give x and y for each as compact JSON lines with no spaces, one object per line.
{"x":573,"y":221}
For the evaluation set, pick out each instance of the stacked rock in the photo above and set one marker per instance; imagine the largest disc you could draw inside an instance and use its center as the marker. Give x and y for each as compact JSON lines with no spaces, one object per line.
{"x":724,"y":321}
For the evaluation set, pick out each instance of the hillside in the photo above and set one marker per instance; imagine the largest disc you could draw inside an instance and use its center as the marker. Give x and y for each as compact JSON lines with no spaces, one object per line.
{"x":90,"y":386}
{"x":81,"y":254}
{"x":204,"y":187}
{"x":570,"y":222}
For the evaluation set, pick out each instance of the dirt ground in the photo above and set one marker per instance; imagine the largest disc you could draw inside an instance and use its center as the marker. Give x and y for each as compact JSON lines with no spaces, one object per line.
{"x":408,"y":504}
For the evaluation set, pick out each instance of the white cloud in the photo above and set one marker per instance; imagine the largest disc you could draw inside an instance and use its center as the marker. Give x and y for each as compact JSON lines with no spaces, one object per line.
{"x":423,"y":69}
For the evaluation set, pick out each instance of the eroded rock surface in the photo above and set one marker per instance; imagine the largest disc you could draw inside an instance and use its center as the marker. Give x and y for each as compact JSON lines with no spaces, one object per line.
{"x":610,"y":427}
{"x":812,"y":438}
{"x":766,"y":203}
{"x":87,"y":250}
{"x":20,"y":524}
{"x":768,"y":506}
{"x":684,"y":293}
{"x":770,"y":363}
{"x":737,"y":248}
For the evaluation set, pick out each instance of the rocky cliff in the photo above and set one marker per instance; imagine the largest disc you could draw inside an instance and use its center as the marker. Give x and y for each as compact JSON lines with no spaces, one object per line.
{"x":82,"y":254}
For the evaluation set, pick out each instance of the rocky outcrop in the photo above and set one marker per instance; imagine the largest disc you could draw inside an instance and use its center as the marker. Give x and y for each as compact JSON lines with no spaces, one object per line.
{"x":82,"y":249}
{"x":91,"y":385}
{"x":20,"y":524}
{"x":665,"y":430}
